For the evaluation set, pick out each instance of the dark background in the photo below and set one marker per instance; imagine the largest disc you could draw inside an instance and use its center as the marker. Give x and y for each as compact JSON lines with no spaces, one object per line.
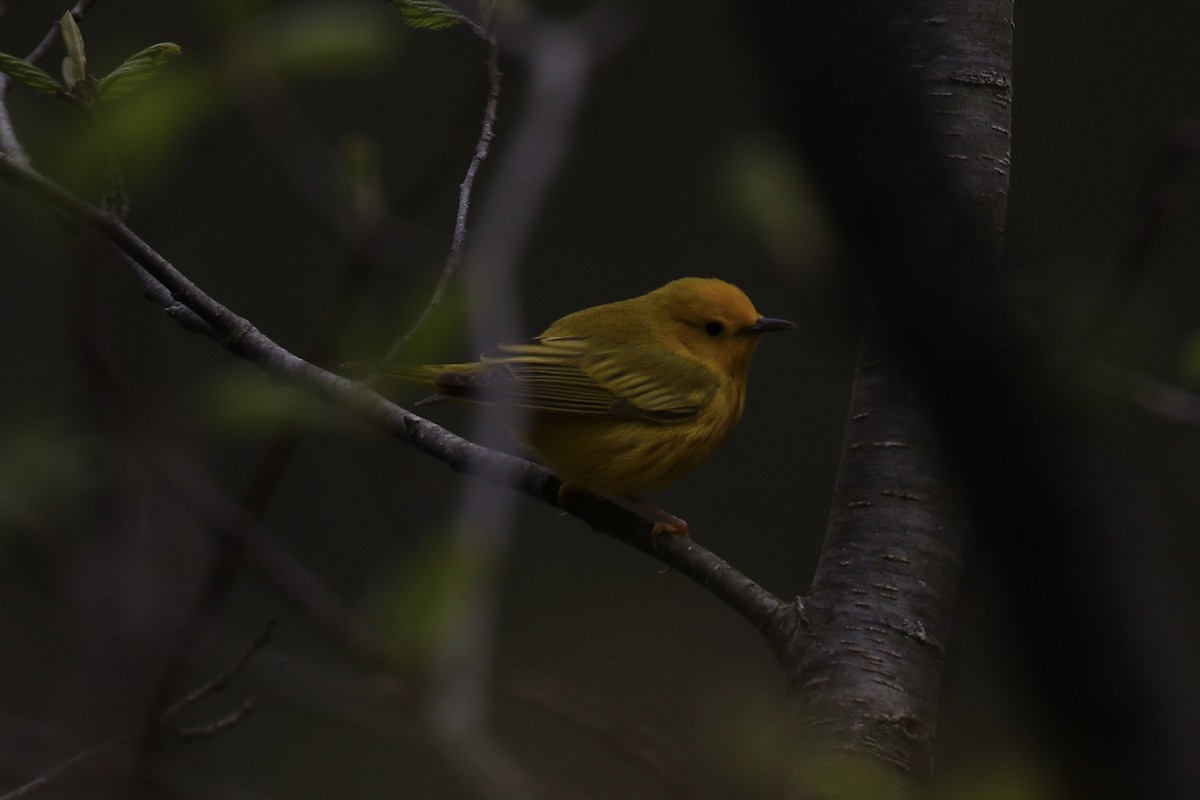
{"x":675,"y":158}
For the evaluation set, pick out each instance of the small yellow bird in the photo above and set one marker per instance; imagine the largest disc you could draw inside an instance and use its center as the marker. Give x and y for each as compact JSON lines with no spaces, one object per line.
{"x":626,"y":397}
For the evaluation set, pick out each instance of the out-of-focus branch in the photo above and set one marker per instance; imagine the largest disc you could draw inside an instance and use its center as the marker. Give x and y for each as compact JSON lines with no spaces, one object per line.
{"x":628,"y":737}
{"x":560,"y":58}
{"x":1169,"y":403}
{"x":164,"y":722}
{"x":1154,"y":211}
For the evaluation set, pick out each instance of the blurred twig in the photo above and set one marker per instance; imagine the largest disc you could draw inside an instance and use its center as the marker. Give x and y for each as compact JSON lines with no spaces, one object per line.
{"x":23,"y":738}
{"x":625,"y":736}
{"x":164,"y":721}
{"x":560,"y":57}
{"x":1155,"y":209}
{"x":1167,"y":402}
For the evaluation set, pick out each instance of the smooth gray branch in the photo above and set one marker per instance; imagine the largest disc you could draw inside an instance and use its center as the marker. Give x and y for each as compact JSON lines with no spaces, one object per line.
{"x":238,"y":336}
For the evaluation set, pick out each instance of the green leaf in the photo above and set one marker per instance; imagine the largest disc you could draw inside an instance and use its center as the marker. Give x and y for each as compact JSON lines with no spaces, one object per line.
{"x":29,"y":75}
{"x":137,"y":70}
{"x":431,"y":15}
{"x":75,"y":64}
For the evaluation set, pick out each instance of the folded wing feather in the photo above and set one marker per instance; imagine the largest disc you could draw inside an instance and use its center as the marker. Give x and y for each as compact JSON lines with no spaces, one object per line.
{"x":568,"y":375}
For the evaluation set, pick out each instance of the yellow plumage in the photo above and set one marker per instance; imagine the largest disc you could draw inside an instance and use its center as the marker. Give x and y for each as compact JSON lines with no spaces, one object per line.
{"x":626,"y":397}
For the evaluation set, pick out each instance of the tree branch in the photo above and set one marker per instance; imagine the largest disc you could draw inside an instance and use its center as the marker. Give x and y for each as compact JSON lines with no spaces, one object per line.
{"x":458,"y":240}
{"x":240,"y":337}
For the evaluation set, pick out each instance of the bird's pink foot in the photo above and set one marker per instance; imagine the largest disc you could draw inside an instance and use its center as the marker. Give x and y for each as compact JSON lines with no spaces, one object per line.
{"x":669,"y":523}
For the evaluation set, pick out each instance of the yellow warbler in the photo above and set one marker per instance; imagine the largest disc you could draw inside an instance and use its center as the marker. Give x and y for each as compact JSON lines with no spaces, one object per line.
{"x":626,"y":397}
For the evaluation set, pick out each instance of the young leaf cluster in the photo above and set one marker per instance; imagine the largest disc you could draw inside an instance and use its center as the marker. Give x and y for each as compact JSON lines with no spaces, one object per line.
{"x":77,"y":82}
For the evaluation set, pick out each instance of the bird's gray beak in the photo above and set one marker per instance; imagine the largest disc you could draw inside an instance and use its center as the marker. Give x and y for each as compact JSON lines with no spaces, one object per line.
{"x":765,"y":324}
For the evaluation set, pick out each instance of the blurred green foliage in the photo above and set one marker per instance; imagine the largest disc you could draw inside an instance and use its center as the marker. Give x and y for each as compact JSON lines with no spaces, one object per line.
{"x":764,"y":188}
{"x":419,"y":602}
{"x":1189,"y":361}
{"x":323,"y":40}
{"x":43,"y":474}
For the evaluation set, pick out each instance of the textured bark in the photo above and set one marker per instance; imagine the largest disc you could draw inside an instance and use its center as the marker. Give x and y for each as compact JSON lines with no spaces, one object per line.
{"x":965,"y":72}
{"x":866,"y":660}
{"x":867,"y":666}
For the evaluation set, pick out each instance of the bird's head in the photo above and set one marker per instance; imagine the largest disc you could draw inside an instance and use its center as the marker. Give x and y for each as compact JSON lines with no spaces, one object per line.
{"x":713,"y":321}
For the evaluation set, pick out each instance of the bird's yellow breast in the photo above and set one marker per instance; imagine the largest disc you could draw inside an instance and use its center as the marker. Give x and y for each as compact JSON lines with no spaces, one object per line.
{"x":616,"y":458}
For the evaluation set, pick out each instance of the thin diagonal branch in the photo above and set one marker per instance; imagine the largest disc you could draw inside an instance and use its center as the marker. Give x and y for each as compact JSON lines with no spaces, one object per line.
{"x":458,"y":241}
{"x":222,"y":680}
{"x":240,"y":337}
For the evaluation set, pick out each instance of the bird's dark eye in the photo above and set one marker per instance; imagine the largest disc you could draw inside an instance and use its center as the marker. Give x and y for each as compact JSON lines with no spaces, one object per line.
{"x":714,"y":328}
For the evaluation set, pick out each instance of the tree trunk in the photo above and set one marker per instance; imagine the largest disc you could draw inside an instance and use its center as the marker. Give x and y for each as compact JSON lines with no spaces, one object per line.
{"x":865,"y":661}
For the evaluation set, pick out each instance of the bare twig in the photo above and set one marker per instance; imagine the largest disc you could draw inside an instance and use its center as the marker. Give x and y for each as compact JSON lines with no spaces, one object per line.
{"x":162,"y":723}
{"x":191,"y":733}
{"x":61,"y":769}
{"x":23,"y":737}
{"x":227,"y":675}
{"x":458,"y":240}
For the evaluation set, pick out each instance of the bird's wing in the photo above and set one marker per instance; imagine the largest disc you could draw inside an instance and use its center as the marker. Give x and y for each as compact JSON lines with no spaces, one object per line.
{"x":569,"y":375}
